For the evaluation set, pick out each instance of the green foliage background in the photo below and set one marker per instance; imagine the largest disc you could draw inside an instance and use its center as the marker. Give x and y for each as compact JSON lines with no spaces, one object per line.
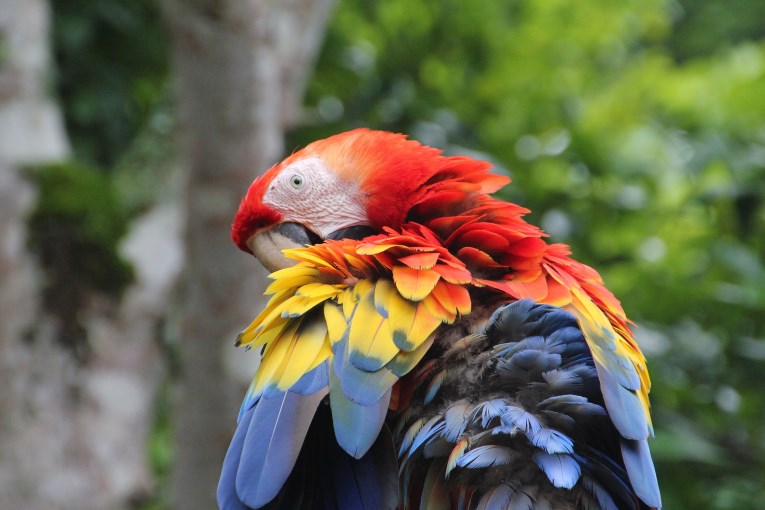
{"x":635,"y":131}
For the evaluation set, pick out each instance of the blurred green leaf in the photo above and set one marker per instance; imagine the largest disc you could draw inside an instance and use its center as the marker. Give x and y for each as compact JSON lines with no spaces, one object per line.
{"x":111,"y":57}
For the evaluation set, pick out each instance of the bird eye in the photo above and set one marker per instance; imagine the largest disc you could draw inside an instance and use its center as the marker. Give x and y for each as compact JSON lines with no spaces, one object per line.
{"x":296,"y":181}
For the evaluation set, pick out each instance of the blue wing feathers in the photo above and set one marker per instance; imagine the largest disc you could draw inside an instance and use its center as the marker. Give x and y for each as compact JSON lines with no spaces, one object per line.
{"x":519,"y":417}
{"x":551,"y":441}
{"x":312,"y":381}
{"x":640,"y":468}
{"x":522,"y":419}
{"x":489,"y":410}
{"x":455,"y":421}
{"x":485,"y":456}
{"x":535,"y":403}
{"x":272,"y":443}
{"x":428,"y":431}
{"x":250,"y":399}
{"x":624,"y":407}
{"x":356,"y":425}
{"x":434,"y":386}
{"x":562,"y":470}
{"x":362,"y":387}
{"x":324,"y":477}
{"x":408,"y":438}
{"x":228,"y":499}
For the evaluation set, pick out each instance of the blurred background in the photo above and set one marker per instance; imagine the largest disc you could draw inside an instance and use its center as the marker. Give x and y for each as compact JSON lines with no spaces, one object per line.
{"x":129,"y":130}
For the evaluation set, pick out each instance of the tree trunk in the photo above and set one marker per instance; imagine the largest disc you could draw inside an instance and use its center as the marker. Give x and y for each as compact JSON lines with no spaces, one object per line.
{"x":240,"y":67}
{"x":73,"y":432}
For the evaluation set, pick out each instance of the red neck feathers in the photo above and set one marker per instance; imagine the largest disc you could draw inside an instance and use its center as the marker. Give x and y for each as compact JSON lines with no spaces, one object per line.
{"x":396,"y":174}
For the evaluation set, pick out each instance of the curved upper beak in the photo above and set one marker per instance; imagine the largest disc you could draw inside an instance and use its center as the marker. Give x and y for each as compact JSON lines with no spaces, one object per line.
{"x":267,"y":245}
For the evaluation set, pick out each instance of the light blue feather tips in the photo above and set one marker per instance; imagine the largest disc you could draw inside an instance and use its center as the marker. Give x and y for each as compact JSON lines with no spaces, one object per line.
{"x":313,"y":381}
{"x":364,"y":388}
{"x":551,"y":441}
{"x":272,"y":443}
{"x":227,"y":497}
{"x":356,"y":426}
{"x":641,"y":471}
{"x":624,"y":407}
{"x":366,"y":362}
{"x":562,"y":470}
{"x":486,"y":456}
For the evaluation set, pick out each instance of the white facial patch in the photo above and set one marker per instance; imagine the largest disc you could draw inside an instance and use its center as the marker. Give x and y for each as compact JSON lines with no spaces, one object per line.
{"x":307,"y":192}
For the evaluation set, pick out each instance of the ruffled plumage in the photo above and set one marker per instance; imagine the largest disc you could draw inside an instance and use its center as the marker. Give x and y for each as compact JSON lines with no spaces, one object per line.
{"x":372,"y":313}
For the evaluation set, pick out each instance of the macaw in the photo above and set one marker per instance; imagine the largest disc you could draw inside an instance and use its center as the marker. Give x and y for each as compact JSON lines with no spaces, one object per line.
{"x":425,"y":347}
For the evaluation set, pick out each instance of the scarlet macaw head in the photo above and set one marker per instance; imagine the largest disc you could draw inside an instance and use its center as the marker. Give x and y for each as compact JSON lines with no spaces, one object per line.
{"x":347,"y":186}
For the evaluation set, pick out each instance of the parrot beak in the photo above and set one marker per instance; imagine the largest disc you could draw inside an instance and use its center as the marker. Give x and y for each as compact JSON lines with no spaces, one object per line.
{"x":267,"y":245}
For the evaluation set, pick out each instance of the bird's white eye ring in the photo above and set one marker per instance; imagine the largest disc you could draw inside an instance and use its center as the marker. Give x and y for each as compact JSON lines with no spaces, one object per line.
{"x":296,"y":181}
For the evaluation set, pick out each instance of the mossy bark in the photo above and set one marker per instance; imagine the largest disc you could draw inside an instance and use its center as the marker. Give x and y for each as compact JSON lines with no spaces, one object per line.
{"x":73,"y":428}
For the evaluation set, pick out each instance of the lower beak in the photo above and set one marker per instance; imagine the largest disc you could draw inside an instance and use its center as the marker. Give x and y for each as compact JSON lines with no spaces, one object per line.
{"x":267,"y":246}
